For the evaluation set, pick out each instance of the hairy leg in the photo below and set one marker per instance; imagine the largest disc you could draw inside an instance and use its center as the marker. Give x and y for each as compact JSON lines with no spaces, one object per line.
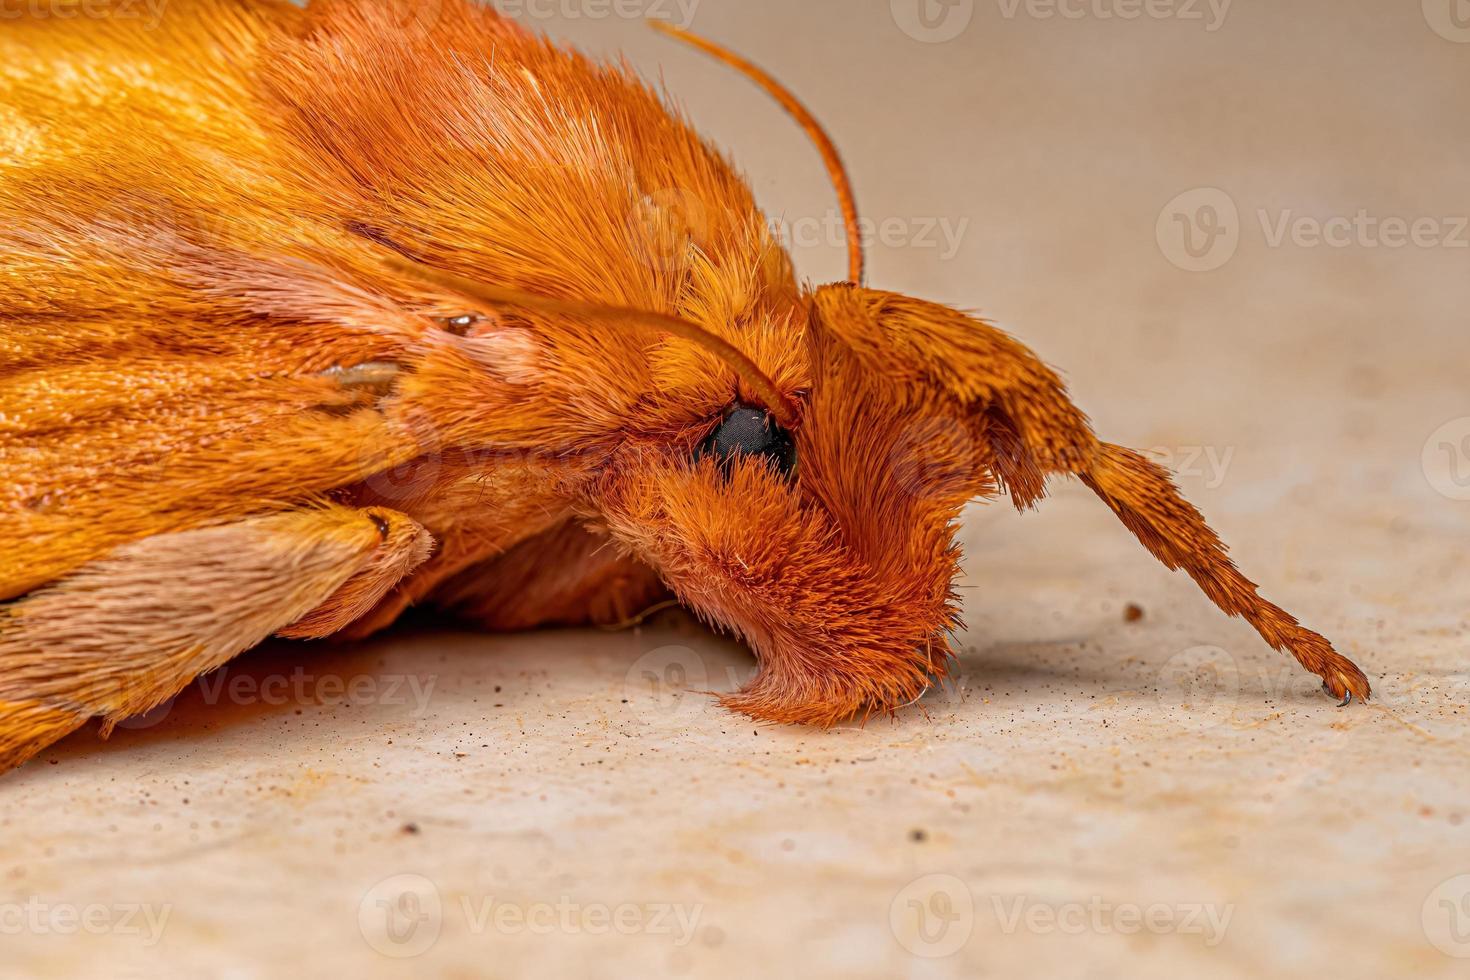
{"x":1027,"y":429}
{"x":124,"y":633}
{"x":567,"y":576}
{"x":475,"y":509}
{"x":1145,"y":499}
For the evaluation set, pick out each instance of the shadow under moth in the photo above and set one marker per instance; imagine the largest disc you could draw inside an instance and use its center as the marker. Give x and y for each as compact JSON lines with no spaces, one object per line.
{"x":308,"y":315}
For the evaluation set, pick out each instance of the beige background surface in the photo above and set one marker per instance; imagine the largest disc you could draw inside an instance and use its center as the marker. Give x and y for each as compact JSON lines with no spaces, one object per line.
{"x":1097,"y":797}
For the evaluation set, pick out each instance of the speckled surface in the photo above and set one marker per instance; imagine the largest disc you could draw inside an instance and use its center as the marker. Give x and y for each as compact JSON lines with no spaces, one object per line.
{"x":1097,"y":796}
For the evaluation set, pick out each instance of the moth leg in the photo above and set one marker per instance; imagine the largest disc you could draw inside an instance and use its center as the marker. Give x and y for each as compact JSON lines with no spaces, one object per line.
{"x":1028,"y":429}
{"x":475,"y":512}
{"x":1038,"y":433}
{"x":567,"y":576}
{"x":880,"y":683}
{"x":405,"y":546}
{"x":1146,"y":500}
{"x":124,"y":633}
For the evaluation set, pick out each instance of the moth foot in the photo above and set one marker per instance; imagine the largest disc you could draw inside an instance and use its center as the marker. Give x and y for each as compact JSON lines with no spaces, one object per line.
{"x":1344,"y":685}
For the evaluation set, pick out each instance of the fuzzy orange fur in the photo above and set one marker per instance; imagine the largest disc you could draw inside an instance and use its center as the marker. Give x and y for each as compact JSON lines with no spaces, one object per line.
{"x":219,"y":369}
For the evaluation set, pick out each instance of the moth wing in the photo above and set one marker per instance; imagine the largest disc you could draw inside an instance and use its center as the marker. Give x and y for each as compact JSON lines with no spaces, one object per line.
{"x":183,"y":339}
{"x":122,"y":634}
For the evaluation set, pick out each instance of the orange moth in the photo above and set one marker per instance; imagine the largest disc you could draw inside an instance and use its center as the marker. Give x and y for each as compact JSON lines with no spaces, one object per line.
{"x":310,"y":315}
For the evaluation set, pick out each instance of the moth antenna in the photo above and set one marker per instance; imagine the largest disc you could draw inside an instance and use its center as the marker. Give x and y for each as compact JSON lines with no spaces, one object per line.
{"x":836,"y":169}
{"x":782,"y":408}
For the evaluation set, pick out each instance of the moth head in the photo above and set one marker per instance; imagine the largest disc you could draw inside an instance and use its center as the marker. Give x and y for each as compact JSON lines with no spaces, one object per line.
{"x":829,"y":545}
{"x":813,"y":519}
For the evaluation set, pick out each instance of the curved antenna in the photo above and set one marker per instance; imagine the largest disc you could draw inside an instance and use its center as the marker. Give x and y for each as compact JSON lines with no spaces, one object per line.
{"x":836,"y":169}
{"x":782,"y":408}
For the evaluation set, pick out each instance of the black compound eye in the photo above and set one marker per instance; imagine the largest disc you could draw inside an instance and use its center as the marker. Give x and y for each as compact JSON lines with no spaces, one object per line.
{"x":753,"y":432}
